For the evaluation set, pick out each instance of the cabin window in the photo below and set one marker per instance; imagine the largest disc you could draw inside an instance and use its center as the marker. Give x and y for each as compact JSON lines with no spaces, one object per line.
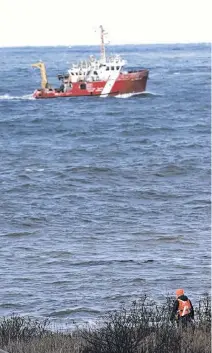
{"x":107,"y":68}
{"x":117,"y":67}
{"x":95,"y":73}
{"x":83,"y":86}
{"x":112,"y":67}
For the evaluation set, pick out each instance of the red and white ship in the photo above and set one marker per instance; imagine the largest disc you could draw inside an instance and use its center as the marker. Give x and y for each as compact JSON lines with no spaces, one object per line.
{"x":96,"y":77}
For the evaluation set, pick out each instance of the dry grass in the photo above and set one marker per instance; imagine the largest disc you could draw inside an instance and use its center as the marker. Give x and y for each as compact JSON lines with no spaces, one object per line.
{"x":144,"y":328}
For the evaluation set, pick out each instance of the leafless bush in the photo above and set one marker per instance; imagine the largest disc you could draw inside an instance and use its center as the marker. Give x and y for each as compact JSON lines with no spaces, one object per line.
{"x":143,"y":328}
{"x":17,"y":328}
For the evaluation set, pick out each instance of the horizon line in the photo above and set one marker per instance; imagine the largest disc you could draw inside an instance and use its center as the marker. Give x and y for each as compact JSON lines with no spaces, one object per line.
{"x":97,"y":45}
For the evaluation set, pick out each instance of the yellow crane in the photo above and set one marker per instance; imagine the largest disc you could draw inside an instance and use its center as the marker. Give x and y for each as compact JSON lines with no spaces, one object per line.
{"x":44,"y":81}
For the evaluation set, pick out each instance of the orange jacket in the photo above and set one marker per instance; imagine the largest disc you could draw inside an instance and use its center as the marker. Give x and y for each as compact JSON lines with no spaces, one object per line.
{"x":184,"y":307}
{"x":178,"y":307}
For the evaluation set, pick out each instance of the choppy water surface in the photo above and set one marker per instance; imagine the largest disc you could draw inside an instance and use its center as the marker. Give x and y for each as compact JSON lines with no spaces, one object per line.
{"x":103,"y":200}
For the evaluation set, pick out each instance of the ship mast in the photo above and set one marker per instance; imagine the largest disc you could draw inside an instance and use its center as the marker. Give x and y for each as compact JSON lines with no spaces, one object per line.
{"x":103,"y":55}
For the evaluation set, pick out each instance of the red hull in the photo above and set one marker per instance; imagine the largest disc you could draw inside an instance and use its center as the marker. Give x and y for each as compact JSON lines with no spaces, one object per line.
{"x":131,"y":82}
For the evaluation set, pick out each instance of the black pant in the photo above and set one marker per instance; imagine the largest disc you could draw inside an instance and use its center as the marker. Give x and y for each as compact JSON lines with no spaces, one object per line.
{"x":184,"y":321}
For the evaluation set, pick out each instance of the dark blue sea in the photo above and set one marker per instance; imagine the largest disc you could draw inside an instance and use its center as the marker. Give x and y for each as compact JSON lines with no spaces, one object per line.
{"x":104,"y":199}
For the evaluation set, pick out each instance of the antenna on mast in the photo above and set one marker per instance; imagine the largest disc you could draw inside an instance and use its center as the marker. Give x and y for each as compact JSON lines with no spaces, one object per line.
{"x":103,"y":56}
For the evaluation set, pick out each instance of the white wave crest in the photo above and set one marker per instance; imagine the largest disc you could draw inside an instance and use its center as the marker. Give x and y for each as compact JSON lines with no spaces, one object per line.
{"x":9,"y":97}
{"x":144,"y":93}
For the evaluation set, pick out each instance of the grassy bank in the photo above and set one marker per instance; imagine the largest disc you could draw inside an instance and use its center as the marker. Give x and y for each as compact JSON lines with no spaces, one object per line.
{"x":144,"y":328}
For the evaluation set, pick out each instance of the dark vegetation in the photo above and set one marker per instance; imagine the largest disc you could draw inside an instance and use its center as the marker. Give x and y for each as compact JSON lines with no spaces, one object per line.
{"x":143,"y":328}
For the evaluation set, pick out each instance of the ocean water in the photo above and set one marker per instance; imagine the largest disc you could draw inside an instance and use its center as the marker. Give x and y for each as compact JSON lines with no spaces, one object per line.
{"x":104,"y":199}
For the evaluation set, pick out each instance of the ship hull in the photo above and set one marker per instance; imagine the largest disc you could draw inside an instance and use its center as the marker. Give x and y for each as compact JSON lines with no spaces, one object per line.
{"x":131,"y":82}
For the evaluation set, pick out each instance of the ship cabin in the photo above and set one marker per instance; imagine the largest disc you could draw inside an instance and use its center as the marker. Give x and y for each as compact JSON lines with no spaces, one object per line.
{"x":95,"y":70}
